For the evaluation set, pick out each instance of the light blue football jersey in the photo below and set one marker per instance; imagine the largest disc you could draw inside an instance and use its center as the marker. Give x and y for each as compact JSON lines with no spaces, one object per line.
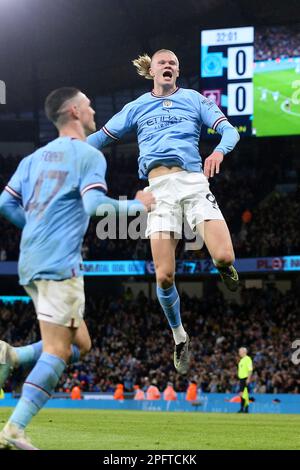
{"x":50,"y":184}
{"x":168,"y":129}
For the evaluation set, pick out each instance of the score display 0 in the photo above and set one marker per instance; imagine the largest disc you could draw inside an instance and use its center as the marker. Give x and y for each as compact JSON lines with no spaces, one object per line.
{"x":227,"y":58}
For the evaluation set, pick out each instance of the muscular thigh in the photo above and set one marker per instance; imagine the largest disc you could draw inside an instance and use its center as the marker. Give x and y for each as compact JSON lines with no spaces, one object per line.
{"x":82,"y":338}
{"x":217,"y":239}
{"x":57,"y":339}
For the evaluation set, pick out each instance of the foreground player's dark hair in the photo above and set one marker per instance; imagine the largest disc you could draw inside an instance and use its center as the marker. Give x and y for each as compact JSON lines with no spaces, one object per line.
{"x":55,"y":100}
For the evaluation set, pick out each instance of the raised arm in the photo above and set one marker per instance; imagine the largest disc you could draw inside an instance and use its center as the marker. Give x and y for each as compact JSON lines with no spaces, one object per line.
{"x":115,"y":128}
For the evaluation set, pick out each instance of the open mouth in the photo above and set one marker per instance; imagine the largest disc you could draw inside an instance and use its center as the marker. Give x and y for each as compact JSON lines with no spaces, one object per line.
{"x":167,"y":74}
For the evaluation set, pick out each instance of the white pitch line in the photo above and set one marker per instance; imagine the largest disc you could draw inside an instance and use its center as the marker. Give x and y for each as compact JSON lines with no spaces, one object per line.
{"x":288,"y":111}
{"x":282,"y":104}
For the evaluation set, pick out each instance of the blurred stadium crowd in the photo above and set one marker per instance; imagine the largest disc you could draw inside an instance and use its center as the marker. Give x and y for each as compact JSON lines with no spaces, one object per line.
{"x":132,"y":343}
{"x":277,"y":42}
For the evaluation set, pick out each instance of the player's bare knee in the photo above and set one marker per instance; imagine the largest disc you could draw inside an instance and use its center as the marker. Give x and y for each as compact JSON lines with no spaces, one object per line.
{"x":85,"y":347}
{"x":165,"y":279}
{"x":224,"y":258}
{"x":60,"y":351}
{"x":64,"y":352}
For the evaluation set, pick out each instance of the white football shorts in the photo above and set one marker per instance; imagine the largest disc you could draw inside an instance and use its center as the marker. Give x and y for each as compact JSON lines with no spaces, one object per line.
{"x":178,"y":195}
{"x":59,"y":302}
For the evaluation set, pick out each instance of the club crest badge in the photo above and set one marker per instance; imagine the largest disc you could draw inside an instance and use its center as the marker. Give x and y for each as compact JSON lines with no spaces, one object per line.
{"x":167,"y":104}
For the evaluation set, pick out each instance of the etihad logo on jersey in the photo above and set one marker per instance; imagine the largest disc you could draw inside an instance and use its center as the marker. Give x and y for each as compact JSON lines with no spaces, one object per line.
{"x":167,"y":104}
{"x":2,"y":92}
{"x":164,"y":121}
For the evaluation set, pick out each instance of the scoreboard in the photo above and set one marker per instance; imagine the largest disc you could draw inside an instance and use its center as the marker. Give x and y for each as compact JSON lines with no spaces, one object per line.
{"x":227,"y":65}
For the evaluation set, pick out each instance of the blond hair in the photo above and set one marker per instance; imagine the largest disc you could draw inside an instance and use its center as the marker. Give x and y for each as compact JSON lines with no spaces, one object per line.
{"x":143,"y":63}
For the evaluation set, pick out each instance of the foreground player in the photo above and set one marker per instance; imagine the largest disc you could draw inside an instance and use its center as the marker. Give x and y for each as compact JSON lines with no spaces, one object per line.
{"x":51,"y":196}
{"x":168,"y":123}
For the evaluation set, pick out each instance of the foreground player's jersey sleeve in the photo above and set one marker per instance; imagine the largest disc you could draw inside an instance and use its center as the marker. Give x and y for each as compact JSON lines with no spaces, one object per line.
{"x":92,"y":172}
{"x":115,"y":128}
{"x":14,"y":186}
{"x":11,"y":198}
{"x":12,"y":210}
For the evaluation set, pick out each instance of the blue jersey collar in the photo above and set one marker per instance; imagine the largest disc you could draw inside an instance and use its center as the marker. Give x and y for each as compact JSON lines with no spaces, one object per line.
{"x":164,"y":96}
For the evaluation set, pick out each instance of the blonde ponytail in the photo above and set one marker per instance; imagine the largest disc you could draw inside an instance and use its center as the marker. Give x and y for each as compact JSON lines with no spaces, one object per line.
{"x":143,"y":64}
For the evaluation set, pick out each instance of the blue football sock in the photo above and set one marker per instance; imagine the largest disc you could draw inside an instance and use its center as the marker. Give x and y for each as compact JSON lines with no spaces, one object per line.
{"x":170,"y":302}
{"x":38,"y":388}
{"x":75,"y":355}
{"x":28,"y":355}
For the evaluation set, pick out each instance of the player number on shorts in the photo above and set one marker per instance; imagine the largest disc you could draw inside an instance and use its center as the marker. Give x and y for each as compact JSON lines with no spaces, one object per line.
{"x":211,"y":198}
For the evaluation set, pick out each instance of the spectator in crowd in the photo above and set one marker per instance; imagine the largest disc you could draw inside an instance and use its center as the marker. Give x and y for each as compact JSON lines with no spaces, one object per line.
{"x":119,"y":392}
{"x":139,"y":394}
{"x":76,"y":393}
{"x":153,"y":393}
{"x":169,"y":393}
{"x":191,"y":393}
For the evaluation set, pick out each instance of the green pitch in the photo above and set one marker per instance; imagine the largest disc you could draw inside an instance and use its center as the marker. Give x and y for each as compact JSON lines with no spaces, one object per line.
{"x":135,"y":430}
{"x":272,"y":117}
